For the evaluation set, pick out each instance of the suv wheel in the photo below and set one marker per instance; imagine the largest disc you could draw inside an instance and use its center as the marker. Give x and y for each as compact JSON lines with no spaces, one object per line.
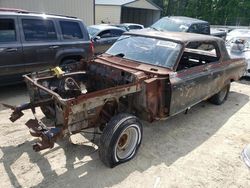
{"x":69,"y":65}
{"x":120,"y":140}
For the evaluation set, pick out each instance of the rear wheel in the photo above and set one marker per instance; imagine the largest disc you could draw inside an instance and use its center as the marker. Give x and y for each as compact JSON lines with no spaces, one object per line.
{"x":69,"y":65}
{"x":220,"y":97}
{"x":120,"y":140}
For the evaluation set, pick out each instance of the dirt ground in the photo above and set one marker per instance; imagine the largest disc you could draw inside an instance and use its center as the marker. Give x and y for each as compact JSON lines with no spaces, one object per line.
{"x":200,"y":149}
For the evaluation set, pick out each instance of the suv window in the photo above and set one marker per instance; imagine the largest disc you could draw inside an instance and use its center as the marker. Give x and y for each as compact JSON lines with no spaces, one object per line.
{"x":71,"y":30}
{"x":7,"y":30}
{"x":38,"y":30}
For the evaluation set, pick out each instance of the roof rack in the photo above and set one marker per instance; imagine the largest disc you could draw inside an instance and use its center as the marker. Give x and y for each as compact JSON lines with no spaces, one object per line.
{"x":13,"y":10}
{"x":32,"y":12}
{"x":62,"y":15}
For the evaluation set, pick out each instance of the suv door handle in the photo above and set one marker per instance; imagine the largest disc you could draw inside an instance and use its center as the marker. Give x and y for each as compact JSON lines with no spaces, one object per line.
{"x":53,"y":47}
{"x":10,"y":49}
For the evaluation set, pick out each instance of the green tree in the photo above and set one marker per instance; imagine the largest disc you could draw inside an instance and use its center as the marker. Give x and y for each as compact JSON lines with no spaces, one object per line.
{"x":222,"y":12}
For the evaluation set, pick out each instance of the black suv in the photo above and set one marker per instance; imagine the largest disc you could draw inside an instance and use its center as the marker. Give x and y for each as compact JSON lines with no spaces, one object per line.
{"x":33,"y":41}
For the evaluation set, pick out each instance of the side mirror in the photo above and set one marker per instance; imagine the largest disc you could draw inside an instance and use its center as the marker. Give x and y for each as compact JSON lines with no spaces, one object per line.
{"x":96,"y":38}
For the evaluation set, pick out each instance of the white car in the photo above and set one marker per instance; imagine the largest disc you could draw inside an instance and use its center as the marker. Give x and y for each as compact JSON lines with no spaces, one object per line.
{"x":239,"y":46}
{"x":237,"y":33}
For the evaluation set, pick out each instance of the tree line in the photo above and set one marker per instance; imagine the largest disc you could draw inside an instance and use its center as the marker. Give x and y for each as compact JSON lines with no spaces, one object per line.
{"x":217,"y":12}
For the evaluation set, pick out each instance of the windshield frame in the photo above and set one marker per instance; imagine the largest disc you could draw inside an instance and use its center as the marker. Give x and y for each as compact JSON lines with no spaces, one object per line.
{"x":128,"y":35}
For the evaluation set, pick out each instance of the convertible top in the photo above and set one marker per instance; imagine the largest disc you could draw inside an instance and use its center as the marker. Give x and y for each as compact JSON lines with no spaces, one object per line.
{"x":179,"y":37}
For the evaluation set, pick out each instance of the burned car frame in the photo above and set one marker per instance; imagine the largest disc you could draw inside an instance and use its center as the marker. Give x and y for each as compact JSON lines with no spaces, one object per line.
{"x":147,"y":75}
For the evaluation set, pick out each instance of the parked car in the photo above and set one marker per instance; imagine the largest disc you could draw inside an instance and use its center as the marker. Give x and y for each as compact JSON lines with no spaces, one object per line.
{"x":239,"y":47}
{"x":129,"y":26}
{"x":187,"y":24}
{"x":33,"y":41}
{"x":146,"y":74}
{"x":237,"y":33}
{"x":103,"y":36}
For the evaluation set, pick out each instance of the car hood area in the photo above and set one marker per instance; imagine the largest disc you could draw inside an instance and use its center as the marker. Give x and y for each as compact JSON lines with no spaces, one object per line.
{"x":132,"y":66}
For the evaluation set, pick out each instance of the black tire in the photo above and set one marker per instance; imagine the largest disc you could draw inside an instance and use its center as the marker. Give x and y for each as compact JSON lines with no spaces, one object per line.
{"x":121,"y":128}
{"x":221,"y":97}
{"x":69,"y":65}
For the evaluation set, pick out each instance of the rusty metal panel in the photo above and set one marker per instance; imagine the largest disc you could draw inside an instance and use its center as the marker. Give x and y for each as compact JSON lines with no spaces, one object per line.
{"x":109,"y":85}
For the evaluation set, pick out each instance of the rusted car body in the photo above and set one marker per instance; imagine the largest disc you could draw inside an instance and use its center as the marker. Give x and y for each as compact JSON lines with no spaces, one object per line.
{"x":112,"y":84}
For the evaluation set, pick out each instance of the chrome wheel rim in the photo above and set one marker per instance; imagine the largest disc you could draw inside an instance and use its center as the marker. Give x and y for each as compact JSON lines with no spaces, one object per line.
{"x":127,"y":142}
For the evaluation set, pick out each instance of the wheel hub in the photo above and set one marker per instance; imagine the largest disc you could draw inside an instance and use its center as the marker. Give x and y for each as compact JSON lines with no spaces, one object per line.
{"x":123,"y":141}
{"x":127,"y":142}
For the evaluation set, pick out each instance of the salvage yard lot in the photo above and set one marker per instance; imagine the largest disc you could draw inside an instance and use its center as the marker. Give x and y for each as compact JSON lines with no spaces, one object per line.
{"x":199,"y":149}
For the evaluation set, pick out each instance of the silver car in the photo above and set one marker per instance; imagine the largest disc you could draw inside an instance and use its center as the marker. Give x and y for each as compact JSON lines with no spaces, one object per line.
{"x":103,"y":36}
{"x":239,"y":46}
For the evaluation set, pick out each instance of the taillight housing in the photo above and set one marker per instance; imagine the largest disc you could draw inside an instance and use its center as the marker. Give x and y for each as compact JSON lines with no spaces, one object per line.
{"x":91,"y":46}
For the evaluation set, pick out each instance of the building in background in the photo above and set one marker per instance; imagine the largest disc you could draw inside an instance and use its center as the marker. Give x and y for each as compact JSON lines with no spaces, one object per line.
{"x":83,"y":9}
{"x":126,"y":11}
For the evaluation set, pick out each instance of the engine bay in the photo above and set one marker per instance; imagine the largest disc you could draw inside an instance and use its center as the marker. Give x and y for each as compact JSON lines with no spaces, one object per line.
{"x":96,"y":77}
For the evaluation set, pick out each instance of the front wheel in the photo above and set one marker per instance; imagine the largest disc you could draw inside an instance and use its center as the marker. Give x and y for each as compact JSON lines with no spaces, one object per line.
{"x":220,"y":97}
{"x":120,"y":140}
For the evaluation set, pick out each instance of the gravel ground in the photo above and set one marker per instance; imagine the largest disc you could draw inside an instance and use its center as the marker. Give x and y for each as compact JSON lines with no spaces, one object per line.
{"x":199,"y":149}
